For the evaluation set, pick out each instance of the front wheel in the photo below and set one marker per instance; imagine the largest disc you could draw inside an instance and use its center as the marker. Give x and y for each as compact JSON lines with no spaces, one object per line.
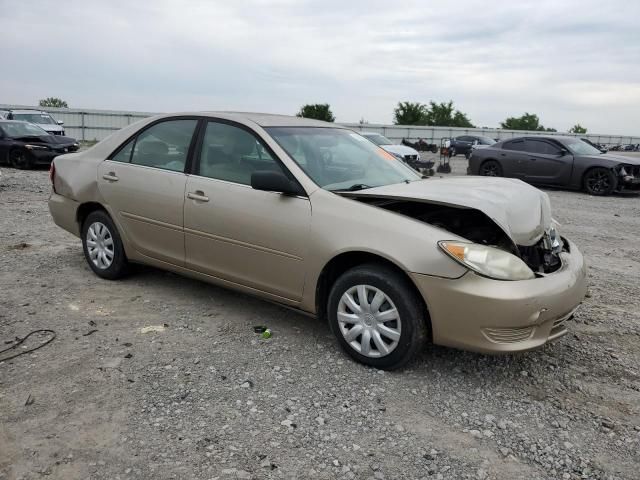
{"x":491,"y":168}
{"x":19,"y":159}
{"x":600,"y":181}
{"x":103,"y":247}
{"x":377,"y":316}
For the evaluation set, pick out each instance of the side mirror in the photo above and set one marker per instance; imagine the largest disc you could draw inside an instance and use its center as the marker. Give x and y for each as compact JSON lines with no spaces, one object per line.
{"x":60,"y":122}
{"x":563,"y":152}
{"x":270,"y":181}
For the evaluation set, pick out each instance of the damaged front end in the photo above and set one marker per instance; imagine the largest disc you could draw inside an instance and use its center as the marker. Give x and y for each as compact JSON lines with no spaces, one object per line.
{"x":542,"y":257}
{"x":628,"y":177}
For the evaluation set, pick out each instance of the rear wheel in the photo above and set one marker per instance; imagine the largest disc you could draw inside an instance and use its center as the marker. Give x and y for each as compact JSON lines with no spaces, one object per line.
{"x":491,"y":168}
{"x":19,"y":158}
{"x":103,"y":247}
{"x":377,"y":316}
{"x":600,"y":181}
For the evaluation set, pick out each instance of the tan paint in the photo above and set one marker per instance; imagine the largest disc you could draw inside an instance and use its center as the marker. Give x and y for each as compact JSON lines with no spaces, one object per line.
{"x":275,"y":247}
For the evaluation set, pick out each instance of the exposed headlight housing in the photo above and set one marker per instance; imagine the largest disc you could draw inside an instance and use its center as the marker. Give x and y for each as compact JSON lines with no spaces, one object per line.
{"x":487,"y":261}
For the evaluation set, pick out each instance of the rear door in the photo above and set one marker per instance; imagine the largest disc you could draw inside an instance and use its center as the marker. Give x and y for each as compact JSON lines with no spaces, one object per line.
{"x":547,"y":162}
{"x":251,"y":237}
{"x":144,"y":183}
{"x":513,"y":158}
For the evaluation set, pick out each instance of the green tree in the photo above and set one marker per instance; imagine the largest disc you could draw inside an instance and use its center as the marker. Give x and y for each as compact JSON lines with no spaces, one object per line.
{"x":318,"y":111}
{"x":445,"y":115}
{"x":53,"y":102}
{"x":528,"y":121}
{"x":577,"y":128}
{"x":410,"y":113}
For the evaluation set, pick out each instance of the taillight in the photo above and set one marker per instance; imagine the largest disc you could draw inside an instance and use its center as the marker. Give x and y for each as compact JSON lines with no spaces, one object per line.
{"x":52,"y":176}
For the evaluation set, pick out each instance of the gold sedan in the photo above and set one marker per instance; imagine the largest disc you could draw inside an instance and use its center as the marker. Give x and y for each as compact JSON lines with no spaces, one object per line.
{"x":314,"y":216}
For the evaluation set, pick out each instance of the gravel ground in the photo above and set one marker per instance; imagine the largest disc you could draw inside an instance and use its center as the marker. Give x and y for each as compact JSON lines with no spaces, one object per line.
{"x":206,"y":398}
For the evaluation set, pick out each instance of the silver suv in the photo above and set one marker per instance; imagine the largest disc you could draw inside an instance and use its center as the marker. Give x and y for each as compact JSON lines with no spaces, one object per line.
{"x":39,"y":118}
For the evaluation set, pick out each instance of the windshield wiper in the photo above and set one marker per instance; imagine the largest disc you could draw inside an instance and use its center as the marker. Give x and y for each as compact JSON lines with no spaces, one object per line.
{"x":354,"y":187}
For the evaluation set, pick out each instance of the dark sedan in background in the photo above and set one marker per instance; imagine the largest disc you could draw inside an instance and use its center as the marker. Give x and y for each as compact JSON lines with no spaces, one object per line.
{"x":557,"y":161}
{"x":24,"y":145}
{"x":464,"y":144}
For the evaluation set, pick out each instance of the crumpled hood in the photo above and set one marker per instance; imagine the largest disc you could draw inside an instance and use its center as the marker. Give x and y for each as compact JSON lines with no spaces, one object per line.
{"x":629,"y":160}
{"x":400,"y":149}
{"x":522,"y":211}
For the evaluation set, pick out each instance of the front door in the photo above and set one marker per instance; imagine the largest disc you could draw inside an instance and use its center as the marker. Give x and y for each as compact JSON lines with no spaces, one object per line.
{"x":548,"y":164}
{"x":143,"y":186}
{"x":250,"y":237}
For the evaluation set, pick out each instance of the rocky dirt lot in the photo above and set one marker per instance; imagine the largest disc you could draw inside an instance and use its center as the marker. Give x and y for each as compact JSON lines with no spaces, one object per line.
{"x":206,"y":398}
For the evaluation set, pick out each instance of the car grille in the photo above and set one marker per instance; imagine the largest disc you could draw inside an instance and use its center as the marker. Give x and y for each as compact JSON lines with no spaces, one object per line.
{"x":508,"y":335}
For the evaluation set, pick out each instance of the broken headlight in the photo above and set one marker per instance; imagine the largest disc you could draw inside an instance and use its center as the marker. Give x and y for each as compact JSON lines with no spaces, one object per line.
{"x":488,"y":261}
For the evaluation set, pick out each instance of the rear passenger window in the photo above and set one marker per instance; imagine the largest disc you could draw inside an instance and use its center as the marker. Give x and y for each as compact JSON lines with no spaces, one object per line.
{"x":124,"y":155}
{"x":514,"y":145}
{"x":232,"y":154}
{"x":164,"y":145}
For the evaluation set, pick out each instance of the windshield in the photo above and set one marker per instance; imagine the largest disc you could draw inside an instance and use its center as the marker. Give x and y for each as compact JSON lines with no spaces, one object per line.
{"x":41,"y":118}
{"x":579,"y":147}
{"x":486,"y":141}
{"x":338,"y":159}
{"x":19,"y":129}
{"x":377,"y":138}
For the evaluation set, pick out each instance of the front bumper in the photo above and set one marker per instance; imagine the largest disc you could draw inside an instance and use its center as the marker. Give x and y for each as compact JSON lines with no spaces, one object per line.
{"x":492,"y":316}
{"x":45,"y":157}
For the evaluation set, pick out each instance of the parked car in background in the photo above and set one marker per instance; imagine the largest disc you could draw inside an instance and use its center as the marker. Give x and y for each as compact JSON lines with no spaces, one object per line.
{"x":421,"y":145}
{"x":602,"y":148}
{"x":4,"y":114}
{"x":25,"y":145}
{"x":314,"y":216}
{"x":407,"y":154}
{"x":464,"y":144}
{"x":557,"y":161}
{"x":40,"y":118}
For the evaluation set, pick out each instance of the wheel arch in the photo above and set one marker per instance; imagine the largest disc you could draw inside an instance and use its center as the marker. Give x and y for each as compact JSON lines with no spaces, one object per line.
{"x":345,"y":261}
{"x":84,"y":209}
{"x":590,"y":168}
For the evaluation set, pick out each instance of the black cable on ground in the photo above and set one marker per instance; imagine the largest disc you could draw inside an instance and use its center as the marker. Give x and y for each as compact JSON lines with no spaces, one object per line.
{"x":21,"y":341}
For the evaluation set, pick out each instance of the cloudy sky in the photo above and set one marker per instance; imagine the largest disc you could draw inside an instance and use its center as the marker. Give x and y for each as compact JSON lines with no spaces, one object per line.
{"x":568,"y":61}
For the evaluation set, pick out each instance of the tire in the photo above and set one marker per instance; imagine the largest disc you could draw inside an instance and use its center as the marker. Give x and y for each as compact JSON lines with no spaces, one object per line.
{"x":491,"y":168}
{"x":19,"y":158}
{"x":407,"y":329}
{"x":599,"y":181}
{"x":434,"y":149}
{"x":103,"y":247}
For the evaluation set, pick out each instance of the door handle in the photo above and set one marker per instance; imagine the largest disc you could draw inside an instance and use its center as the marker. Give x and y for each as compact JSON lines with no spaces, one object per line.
{"x":503,"y":154}
{"x":532,"y":159}
{"x":198,"y":196}
{"x":111,"y":177}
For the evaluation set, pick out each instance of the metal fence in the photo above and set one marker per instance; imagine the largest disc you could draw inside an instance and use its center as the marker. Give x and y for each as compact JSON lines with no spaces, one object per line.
{"x":90,"y":125}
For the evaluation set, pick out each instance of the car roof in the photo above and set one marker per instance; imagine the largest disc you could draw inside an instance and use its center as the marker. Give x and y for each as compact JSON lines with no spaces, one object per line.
{"x":28,"y":110}
{"x":542,"y":137}
{"x":262,"y":119}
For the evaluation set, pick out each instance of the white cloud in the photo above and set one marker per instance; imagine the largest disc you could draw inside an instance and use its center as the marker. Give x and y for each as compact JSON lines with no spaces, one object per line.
{"x":566,"y":61}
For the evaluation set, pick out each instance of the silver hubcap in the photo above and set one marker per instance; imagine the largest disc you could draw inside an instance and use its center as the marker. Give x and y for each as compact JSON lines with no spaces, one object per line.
{"x":100,"y":245}
{"x":369,"y":321}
